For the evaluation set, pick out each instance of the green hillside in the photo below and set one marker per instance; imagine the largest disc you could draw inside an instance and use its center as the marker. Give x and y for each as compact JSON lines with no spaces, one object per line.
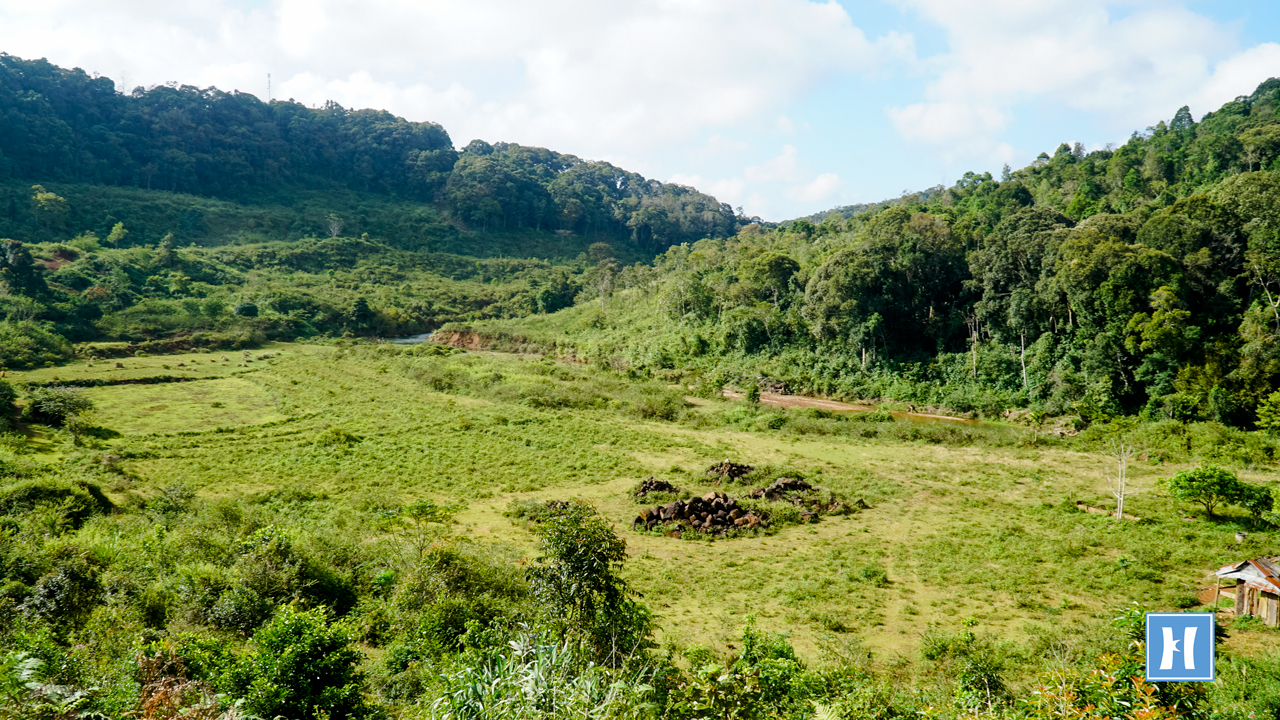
{"x":601,"y":492}
{"x":1138,"y":280}
{"x":277,"y":171}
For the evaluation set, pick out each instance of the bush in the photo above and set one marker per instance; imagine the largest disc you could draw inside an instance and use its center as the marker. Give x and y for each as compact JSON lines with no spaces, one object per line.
{"x":1211,"y":486}
{"x":336,"y":437}
{"x":76,"y":501}
{"x":301,"y":667}
{"x":29,"y":344}
{"x":66,"y":595}
{"x":441,"y":627}
{"x":578,"y":578}
{"x":54,"y":405}
{"x":240,"y":608}
{"x":658,"y":406}
{"x":7,"y":396}
{"x":873,"y":575}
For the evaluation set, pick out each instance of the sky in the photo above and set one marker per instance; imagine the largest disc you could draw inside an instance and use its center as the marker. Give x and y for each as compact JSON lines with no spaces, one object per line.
{"x":780,"y":107}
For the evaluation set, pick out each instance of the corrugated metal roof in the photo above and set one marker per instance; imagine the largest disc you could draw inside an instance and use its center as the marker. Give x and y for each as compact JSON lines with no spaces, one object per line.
{"x":1262,"y":573}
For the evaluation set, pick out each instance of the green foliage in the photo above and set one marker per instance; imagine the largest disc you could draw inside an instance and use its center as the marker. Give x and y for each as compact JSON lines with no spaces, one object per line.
{"x":301,"y":666}
{"x":532,"y":677}
{"x":873,"y":575}
{"x":1095,"y":284}
{"x":74,"y":501}
{"x":336,"y":437}
{"x":1212,"y":486}
{"x":55,"y":405}
{"x":578,"y":579}
{"x":8,"y":396}
{"x":28,"y":344}
{"x":1269,"y":413}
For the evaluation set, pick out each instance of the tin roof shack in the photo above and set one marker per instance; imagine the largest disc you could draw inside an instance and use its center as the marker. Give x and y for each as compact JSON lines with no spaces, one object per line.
{"x":1257,"y":588}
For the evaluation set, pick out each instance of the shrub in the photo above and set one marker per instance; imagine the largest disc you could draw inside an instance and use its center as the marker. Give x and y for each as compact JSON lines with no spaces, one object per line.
{"x":1269,"y":413}
{"x":66,"y":595}
{"x":873,"y":575}
{"x":27,"y":344}
{"x":1256,"y":499}
{"x":7,"y":396}
{"x":658,"y":406}
{"x":872,"y":416}
{"x":336,"y":437}
{"x":54,"y":405}
{"x":1211,"y":486}
{"x":76,"y":501}
{"x":441,"y":627}
{"x":301,"y":667}
{"x":578,"y":578}
{"x":240,"y":608}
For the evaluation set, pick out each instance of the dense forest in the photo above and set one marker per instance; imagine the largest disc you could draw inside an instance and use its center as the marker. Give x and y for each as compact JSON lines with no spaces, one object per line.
{"x":1143,"y":279}
{"x":64,"y":127}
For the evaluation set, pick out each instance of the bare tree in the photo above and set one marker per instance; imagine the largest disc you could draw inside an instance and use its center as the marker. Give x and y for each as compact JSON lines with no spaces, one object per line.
{"x":335,"y":225}
{"x":1265,"y":283}
{"x":971,"y":321}
{"x":1118,"y":480}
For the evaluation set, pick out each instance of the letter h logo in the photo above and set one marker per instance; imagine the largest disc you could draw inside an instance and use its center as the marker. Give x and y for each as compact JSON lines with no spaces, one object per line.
{"x":1180,"y":646}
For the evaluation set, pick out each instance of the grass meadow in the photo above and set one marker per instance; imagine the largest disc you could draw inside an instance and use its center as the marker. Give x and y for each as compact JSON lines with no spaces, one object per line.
{"x":967,"y":527}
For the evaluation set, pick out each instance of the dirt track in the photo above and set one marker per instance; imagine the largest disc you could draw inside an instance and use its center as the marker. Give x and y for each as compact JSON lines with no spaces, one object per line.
{"x":800,"y":401}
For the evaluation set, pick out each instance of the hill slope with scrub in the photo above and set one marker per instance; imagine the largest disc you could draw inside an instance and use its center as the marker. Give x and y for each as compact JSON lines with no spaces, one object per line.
{"x":1143,"y":279}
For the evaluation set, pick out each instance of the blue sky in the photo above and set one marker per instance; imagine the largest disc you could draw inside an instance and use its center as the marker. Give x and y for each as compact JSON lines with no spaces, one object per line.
{"x":782,"y":107}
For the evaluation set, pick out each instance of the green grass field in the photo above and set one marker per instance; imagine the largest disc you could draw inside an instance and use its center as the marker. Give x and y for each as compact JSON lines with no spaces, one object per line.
{"x":970,"y":527}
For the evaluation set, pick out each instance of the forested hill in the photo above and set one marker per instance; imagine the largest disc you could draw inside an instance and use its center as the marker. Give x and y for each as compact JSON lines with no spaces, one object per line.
{"x":74,"y":132}
{"x":1154,"y":168}
{"x":1137,"y":279}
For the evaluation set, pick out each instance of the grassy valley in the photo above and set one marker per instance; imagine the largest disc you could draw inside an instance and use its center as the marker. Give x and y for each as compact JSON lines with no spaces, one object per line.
{"x":878,"y":446}
{"x":970,"y":528}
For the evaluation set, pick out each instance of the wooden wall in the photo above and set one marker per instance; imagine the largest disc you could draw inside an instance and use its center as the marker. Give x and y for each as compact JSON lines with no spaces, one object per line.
{"x":1260,"y":603}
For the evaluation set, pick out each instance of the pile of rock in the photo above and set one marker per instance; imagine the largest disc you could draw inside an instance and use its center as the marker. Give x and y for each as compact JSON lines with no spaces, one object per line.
{"x":781,"y":489}
{"x":654,"y":485}
{"x":804,"y":496}
{"x":729,"y":471}
{"x":714,"y":513}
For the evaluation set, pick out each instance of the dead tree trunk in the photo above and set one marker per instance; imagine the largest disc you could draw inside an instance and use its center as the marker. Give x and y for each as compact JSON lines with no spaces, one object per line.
{"x":1118,"y":480}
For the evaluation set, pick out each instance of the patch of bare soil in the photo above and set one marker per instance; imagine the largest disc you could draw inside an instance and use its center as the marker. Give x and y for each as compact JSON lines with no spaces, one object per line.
{"x":466,"y":340}
{"x":801,"y":401}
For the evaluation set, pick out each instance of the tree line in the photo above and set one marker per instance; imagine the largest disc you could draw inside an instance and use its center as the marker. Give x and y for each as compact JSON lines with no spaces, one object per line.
{"x":1138,"y":279}
{"x":66,"y":126}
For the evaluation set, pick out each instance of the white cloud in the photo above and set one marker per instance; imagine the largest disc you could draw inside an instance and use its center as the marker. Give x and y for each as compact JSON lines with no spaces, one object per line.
{"x":1238,"y":75}
{"x":784,"y":175}
{"x":947,"y":119}
{"x":783,"y":167}
{"x":822,"y":188}
{"x":614,"y":80}
{"x":1125,"y":63}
